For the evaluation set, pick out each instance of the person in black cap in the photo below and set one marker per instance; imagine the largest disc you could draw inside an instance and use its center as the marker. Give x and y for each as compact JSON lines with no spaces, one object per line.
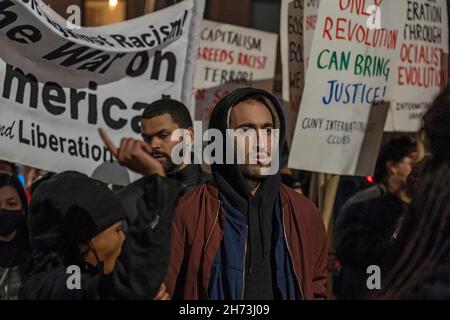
{"x":14,"y":247}
{"x":78,"y":224}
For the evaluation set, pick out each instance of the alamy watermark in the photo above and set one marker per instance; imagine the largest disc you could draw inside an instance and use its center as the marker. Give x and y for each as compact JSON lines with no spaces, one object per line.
{"x":374,"y":280}
{"x":73,"y":21}
{"x":373,"y":22}
{"x":73,"y":282}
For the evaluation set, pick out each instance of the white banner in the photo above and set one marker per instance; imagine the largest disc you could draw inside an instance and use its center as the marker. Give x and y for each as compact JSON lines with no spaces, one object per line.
{"x":59,"y":85}
{"x":342,"y":109}
{"x":423,"y":61}
{"x":231,"y":57}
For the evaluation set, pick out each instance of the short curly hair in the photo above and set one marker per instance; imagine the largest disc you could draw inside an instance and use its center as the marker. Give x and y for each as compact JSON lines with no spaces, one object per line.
{"x":394,"y":150}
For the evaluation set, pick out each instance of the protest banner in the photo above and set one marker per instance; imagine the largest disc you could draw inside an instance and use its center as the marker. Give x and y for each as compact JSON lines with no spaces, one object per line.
{"x":292,"y":60}
{"x":310,"y":15}
{"x":422,"y":69}
{"x":343,"y":112}
{"x":231,"y":57}
{"x":58,"y":85}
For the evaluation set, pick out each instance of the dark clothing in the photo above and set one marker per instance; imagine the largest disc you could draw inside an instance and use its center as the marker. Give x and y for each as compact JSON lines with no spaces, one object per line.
{"x":366,"y":230}
{"x":348,"y":187}
{"x":257,"y":213}
{"x":10,"y":281}
{"x":190,"y":177}
{"x":139,"y":196}
{"x":228,"y":267}
{"x":141,"y":266}
{"x":14,"y":254}
{"x":435,"y":287}
{"x":13,"y":259}
{"x":16,"y":251}
{"x":70,"y":208}
{"x":222,"y":223}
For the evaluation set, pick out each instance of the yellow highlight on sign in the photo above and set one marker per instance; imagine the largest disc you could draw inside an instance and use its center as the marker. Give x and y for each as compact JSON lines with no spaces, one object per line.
{"x":113,"y":3}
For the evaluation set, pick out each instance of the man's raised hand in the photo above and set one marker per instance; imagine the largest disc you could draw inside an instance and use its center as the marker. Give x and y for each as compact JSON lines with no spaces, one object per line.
{"x":133,"y":154}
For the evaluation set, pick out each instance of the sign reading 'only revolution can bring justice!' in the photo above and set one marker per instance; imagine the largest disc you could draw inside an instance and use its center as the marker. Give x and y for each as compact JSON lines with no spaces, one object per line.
{"x":342,"y":113}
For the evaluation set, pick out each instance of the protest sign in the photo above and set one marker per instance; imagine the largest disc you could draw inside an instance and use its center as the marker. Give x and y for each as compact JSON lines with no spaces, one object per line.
{"x":292,"y":60}
{"x":422,"y":69}
{"x":59,"y":85}
{"x":231,"y":57}
{"x":343,"y":111}
{"x":310,"y":15}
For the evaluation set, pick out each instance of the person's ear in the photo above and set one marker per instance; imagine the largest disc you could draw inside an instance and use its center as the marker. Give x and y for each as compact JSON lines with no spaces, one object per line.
{"x":391,"y":167}
{"x":191,"y":133}
{"x":85,"y":247}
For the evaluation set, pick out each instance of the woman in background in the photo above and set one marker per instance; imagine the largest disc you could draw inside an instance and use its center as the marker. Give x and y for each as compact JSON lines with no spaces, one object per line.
{"x":14,"y":247}
{"x":422,"y":269}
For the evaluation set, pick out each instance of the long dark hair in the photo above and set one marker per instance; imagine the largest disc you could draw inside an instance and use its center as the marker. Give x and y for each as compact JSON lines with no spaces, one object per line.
{"x":425,"y":242}
{"x":424,"y":245}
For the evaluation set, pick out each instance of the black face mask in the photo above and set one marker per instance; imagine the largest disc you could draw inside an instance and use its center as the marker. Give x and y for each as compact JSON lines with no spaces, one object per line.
{"x":10,"y":221}
{"x":99,"y":268}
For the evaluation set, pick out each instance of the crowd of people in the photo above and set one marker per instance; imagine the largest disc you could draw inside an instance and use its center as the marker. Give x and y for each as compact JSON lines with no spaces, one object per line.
{"x":234,"y":232}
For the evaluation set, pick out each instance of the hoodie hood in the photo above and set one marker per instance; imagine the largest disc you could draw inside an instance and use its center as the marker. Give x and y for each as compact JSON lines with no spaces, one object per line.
{"x":220,"y":120}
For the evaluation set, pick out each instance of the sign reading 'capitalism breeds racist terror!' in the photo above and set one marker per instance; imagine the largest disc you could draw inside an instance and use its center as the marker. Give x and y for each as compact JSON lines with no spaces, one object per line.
{"x":231,"y":57}
{"x":342,"y":114}
{"x":59,"y":85}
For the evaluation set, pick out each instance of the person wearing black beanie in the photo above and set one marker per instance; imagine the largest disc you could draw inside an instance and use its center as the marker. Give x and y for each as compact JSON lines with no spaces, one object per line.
{"x":77,"y":225}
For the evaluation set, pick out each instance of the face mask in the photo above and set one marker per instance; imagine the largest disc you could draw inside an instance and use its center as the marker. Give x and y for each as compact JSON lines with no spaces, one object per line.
{"x":99,"y":268}
{"x":10,"y":221}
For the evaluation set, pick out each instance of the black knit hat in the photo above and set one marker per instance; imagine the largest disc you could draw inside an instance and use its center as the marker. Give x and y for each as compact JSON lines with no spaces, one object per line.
{"x":69,"y":209}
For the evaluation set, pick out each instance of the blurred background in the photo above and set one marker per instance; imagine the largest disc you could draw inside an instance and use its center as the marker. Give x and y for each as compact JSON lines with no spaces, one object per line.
{"x":258,"y":14}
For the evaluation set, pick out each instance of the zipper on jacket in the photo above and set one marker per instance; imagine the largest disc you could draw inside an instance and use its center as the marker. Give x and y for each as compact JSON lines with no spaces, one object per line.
{"x":4,"y":279}
{"x":209,"y":238}
{"x":214,"y":224}
{"x":245,"y":261}
{"x":290,"y":254}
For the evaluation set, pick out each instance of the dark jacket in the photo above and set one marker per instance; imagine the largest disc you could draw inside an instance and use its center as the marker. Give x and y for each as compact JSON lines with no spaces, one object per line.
{"x":434,"y":287}
{"x":366,"y":233}
{"x":190,"y":177}
{"x":14,"y":257}
{"x":141,"y":266}
{"x":200,"y":232}
{"x":14,"y":254}
{"x":10,"y":282}
{"x":196,"y":238}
